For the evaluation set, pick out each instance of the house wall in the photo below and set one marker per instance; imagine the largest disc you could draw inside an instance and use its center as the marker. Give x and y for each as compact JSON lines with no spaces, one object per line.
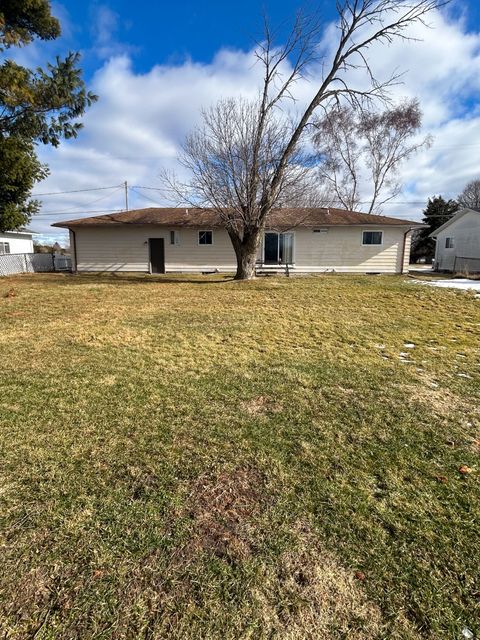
{"x":466,"y":234}
{"x":340,"y":248}
{"x":19,"y":242}
{"x":126,"y":249}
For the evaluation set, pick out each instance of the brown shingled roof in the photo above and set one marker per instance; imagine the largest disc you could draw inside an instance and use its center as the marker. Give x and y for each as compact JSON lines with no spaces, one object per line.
{"x":207,"y":218}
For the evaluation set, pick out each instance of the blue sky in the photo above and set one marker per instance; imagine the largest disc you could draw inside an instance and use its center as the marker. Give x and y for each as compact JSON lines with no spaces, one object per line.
{"x":161,"y":32}
{"x":155,"y":65}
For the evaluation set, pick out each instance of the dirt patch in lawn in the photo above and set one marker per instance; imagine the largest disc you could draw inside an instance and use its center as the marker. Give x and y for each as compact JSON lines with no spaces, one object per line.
{"x":304,"y":593}
{"x":260,"y":406}
{"x":223,"y":508}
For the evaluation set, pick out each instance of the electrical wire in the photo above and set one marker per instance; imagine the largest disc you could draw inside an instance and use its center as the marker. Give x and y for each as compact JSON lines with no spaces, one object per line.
{"x":396,"y":202}
{"x":71,"y":213}
{"x":60,"y":193}
{"x":134,"y":190}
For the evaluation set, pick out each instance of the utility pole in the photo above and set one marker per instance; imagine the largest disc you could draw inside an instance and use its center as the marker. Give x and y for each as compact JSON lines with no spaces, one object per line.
{"x":126,"y":196}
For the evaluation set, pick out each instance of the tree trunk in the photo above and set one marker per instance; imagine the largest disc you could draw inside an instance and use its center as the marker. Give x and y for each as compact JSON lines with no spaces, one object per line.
{"x":246,"y":253}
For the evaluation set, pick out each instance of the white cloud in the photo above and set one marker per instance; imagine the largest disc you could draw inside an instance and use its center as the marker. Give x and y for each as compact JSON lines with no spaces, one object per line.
{"x":105,"y":27}
{"x":138,"y":124}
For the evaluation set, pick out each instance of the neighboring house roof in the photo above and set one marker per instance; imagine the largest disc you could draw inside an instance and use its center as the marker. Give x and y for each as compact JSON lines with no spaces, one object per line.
{"x":18,"y":232}
{"x":286,"y":218}
{"x":457,"y":216}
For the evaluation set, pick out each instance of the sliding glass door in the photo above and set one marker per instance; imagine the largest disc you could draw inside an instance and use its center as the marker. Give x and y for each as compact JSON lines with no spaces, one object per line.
{"x":278,"y":248}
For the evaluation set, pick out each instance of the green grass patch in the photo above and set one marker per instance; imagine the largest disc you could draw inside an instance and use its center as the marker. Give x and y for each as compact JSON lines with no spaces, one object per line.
{"x":201,"y":458}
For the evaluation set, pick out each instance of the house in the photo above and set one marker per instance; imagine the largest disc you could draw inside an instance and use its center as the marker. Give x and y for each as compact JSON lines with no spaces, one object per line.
{"x":458,"y":242}
{"x":159,"y":240}
{"x":16,"y":242}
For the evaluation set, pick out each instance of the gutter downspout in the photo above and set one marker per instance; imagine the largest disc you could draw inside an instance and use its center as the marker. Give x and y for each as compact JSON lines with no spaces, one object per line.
{"x":435,"y":260}
{"x":74,"y":247}
{"x":404,"y":246}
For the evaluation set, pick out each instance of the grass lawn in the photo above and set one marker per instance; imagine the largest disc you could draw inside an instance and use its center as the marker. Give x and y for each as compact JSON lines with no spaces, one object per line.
{"x":194,"y":458}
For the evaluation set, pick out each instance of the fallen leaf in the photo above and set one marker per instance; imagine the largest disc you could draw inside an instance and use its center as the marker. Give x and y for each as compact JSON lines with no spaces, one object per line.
{"x":442,"y":479}
{"x":359,"y":575}
{"x":465,"y":470}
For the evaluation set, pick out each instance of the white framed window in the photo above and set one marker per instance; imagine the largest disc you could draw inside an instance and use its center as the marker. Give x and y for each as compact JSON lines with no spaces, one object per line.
{"x":4,"y":248}
{"x":372,"y":237}
{"x":205,"y":237}
{"x":450,"y":243}
{"x":174,"y":237}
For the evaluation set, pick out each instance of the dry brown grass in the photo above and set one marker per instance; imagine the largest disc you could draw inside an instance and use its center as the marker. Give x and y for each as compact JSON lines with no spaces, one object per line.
{"x":311,"y":595}
{"x":197,"y":458}
{"x":442,"y":401}
{"x":261,"y":406}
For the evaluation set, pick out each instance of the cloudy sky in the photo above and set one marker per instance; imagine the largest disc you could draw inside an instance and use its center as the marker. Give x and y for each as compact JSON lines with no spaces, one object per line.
{"x":155,"y":67}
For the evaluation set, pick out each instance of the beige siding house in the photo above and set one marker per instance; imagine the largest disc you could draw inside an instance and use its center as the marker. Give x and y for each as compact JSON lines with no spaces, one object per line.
{"x":458,"y":242}
{"x":189,"y":240}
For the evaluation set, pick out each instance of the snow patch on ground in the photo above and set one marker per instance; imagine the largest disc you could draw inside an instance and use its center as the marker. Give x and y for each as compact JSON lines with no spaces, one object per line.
{"x":458,"y":283}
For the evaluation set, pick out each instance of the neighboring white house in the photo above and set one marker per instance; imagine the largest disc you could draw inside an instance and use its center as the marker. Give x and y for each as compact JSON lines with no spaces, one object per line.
{"x":458,"y":242}
{"x":16,"y":242}
{"x":194,"y":240}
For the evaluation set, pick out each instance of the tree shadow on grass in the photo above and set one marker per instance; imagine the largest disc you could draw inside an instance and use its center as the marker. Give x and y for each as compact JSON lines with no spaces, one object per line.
{"x":128,"y":279}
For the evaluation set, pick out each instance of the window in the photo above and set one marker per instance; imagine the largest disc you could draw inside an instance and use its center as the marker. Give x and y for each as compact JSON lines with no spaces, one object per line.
{"x":4,"y":248}
{"x":205,"y":237}
{"x":372,"y":237}
{"x":174,"y":237}
{"x":450,"y":243}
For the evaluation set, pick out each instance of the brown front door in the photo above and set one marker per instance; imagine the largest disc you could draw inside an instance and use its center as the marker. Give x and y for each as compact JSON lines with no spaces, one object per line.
{"x":157,"y":255}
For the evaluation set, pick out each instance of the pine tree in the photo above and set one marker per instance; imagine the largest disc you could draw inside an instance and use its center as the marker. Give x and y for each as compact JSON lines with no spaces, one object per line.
{"x":36,"y":106}
{"x":437,"y":212}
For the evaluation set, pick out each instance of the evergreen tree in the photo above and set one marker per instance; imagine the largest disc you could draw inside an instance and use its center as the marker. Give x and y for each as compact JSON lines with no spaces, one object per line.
{"x":36,"y":106}
{"x":437,"y":212}
{"x":20,"y":169}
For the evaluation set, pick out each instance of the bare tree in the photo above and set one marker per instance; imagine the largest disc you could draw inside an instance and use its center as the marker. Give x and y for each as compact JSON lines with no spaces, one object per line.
{"x":470,"y":196}
{"x":365,"y":146}
{"x":248,"y":155}
{"x":340,"y":154}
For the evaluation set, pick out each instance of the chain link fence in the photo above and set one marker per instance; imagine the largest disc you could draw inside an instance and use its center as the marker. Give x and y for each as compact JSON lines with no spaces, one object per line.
{"x":13,"y":263}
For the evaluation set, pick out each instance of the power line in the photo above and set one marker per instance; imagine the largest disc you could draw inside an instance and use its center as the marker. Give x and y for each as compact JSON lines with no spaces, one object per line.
{"x":393,"y":203}
{"x":134,"y":189}
{"x":59,"y":193}
{"x":81,"y":211}
{"x":75,"y":209}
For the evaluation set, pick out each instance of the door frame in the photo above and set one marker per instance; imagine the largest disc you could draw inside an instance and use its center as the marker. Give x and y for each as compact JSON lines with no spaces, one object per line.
{"x":271,"y":233}
{"x":278,"y":234}
{"x":150,"y":255}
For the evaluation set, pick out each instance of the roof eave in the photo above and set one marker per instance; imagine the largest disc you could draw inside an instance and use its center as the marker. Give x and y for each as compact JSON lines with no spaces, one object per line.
{"x":454,"y":218}
{"x":75,"y":224}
